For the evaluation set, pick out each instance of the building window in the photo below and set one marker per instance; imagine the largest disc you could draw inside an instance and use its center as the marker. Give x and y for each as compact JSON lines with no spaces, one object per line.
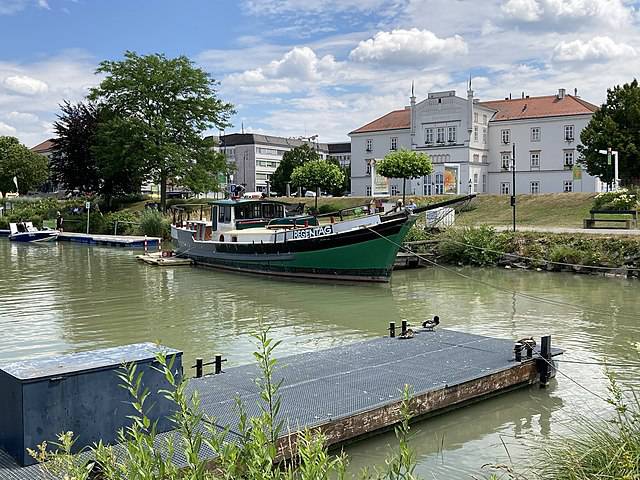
{"x":476,"y":157}
{"x":484,"y":119}
{"x":369,"y":146}
{"x":535,"y":134}
{"x":568,"y":186}
{"x":475,"y":133}
{"x":484,"y":159}
{"x":440,"y":135}
{"x":484,"y":135}
{"x":368,"y":167}
{"x":475,"y":117}
{"x":475,"y":182}
{"x":395,"y":190}
{"x":568,"y":133}
{"x":534,"y":158}
{"x":484,"y":183}
{"x":534,"y":187}
{"x":451,"y":134}
{"x":439,"y":184}
{"x":394,"y":143}
{"x":428,"y":135}
{"x":568,"y":158}
{"x":505,"y":160}
{"x":505,"y":188}
{"x":506,"y":136}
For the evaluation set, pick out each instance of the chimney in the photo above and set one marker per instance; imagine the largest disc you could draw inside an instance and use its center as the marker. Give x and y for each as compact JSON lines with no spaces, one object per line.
{"x":509,"y":95}
{"x":522,"y":94}
{"x":561,"y":93}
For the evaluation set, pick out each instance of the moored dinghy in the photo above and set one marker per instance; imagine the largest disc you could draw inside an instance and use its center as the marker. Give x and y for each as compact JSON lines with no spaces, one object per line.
{"x":26,"y":232}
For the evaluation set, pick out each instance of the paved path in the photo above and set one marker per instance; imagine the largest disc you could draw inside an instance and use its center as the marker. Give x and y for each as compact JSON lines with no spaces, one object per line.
{"x":591,"y":231}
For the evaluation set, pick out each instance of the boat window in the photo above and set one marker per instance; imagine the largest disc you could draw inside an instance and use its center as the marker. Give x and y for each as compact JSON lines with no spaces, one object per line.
{"x":269,"y":210}
{"x":227,"y":214}
{"x":221,"y":214}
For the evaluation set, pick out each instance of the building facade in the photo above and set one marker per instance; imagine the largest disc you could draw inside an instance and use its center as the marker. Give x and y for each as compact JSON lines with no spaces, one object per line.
{"x":256,"y":157}
{"x":471,"y":145}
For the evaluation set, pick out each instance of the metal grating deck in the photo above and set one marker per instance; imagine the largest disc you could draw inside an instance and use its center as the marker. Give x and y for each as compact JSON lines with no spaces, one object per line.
{"x":342,"y":381}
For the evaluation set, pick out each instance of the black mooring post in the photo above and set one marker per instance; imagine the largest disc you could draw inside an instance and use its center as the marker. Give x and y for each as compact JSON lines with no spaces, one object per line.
{"x":392,"y":329}
{"x":518,"y":351}
{"x":404,"y":327}
{"x":218,"y":364}
{"x":199,"y":367}
{"x":529,"y":349}
{"x":545,"y":353}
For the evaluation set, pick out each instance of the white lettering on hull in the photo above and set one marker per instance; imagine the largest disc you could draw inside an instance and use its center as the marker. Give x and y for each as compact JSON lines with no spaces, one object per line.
{"x":312,"y":232}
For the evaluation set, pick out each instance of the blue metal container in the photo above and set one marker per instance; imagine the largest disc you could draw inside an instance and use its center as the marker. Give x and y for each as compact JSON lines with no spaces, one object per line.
{"x":79,"y":392}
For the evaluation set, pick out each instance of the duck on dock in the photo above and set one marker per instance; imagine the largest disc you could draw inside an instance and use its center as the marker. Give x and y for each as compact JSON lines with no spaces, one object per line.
{"x":430,"y":325}
{"x":408,"y":334}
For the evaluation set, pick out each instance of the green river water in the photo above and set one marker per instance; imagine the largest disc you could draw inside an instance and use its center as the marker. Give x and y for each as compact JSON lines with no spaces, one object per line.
{"x":62,"y":298}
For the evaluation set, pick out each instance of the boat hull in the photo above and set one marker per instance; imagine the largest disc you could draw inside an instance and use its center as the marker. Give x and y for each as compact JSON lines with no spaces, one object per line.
{"x":365,"y":254}
{"x":34,"y":237}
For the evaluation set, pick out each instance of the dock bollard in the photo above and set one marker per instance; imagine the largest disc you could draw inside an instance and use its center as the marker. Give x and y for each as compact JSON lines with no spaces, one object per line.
{"x":517,"y":348}
{"x":545,"y":362}
{"x":529,"y":349}
{"x":218,"y":364}
{"x":199,"y":367}
{"x":404,"y":327}
{"x":392,"y":329}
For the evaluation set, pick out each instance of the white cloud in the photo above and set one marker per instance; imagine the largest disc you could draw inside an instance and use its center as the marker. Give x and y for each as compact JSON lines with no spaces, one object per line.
{"x":44,"y":4}
{"x":410,"y":47}
{"x":276,"y":7}
{"x":525,"y":10}
{"x":7,"y":129}
{"x":21,"y":117}
{"x":9,"y":7}
{"x":25,"y":85}
{"x":596,"y":49}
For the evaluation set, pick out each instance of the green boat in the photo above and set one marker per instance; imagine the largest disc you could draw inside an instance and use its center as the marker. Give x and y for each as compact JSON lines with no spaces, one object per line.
{"x":263,"y":237}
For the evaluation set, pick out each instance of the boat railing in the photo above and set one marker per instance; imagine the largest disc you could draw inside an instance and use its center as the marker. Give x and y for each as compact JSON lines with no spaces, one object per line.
{"x":355,"y":211}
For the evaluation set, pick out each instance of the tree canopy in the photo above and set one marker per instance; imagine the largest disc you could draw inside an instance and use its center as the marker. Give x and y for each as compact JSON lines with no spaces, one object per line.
{"x":404,"y":164}
{"x":317,"y":174}
{"x":165,"y":105}
{"x":29,"y":168}
{"x":290,"y":160}
{"x":617,"y":125}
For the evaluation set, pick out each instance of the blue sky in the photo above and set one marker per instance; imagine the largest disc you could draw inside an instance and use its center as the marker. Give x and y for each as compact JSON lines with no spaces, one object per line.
{"x":306,"y":67}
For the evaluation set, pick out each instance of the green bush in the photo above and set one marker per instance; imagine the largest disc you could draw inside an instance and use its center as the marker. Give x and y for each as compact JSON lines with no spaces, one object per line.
{"x":622,"y":199}
{"x":155,"y":224}
{"x":128,"y":228}
{"x":479,"y":246}
{"x":416,"y":234}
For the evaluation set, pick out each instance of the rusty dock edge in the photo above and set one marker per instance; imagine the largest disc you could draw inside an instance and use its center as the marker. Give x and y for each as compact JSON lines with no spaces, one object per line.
{"x":373,"y":422}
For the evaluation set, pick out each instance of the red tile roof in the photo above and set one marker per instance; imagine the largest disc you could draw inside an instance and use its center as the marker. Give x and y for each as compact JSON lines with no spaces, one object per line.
{"x":44,"y":147}
{"x":539,"y":107}
{"x":396,"y":120}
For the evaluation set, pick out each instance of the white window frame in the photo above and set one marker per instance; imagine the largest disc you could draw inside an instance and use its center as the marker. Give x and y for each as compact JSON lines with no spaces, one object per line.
{"x":567,"y":186}
{"x":428,"y":135}
{"x":505,"y":160}
{"x":476,"y":157}
{"x":536,"y":134}
{"x":451,"y":134}
{"x":369,"y":145}
{"x":569,"y":158}
{"x":440,"y":135}
{"x":475,"y":182}
{"x":534,"y":160}
{"x":475,"y":133}
{"x":484,"y":183}
{"x":505,"y":136}
{"x":569,"y":133}
{"x":484,"y":135}
{"x":534,"y":187}
{"x":475,"y":117}
{"x":367,"y":191}
{"x":505,"y":188}
{"x":394,"y":143}
{"x":395,"y":190}
{"x":439,"y":185}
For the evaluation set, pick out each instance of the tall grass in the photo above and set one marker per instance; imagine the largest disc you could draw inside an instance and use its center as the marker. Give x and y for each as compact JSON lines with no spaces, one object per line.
{"x":154,"y":224}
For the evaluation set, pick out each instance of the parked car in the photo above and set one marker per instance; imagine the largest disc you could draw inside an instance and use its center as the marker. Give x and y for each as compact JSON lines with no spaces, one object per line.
{"x":309,"y":193}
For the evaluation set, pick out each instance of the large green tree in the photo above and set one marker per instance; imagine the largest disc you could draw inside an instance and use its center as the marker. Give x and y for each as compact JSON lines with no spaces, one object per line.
{"x":317,"y":174}
{"x":72,"y":162}
{"x":290,"y":160}
{"x":29,"y":168}
{"x":167,"y":104}
{"x":617,"y":125}
{"x":404,"y":164}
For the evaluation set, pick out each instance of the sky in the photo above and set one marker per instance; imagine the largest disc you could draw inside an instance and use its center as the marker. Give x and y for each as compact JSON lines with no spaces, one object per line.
{"x":316,"y":67}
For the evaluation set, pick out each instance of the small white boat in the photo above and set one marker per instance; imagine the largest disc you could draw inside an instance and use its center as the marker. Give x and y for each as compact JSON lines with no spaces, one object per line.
{"x":26,"y":232}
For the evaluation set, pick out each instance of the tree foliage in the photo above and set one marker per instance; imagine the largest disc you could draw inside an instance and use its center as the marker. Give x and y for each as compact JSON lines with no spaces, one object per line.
{"x":31,"y":169}
{"x":166,"y":104}
{"x":318,"y":174}
{"x":73,"y":162}
{"x":404,"y":164}
{"x":290,"y":160}
{"x":617,"y":125}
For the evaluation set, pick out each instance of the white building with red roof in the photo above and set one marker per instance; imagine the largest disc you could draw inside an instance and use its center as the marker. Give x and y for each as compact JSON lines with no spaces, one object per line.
{"x":471,"y":145}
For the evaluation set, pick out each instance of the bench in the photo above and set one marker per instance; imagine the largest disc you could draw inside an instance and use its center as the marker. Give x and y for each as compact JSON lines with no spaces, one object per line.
{"x":628,"y":222}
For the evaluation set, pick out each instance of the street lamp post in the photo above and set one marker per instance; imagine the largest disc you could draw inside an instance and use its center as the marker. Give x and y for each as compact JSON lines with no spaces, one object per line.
{"x":609,"y":152}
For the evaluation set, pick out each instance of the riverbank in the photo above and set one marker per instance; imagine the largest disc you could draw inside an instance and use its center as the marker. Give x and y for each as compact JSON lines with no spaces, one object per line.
{"x":554,"y":252}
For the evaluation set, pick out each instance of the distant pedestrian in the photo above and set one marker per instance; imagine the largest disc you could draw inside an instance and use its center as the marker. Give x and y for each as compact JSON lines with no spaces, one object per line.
{"x":59,"y":221}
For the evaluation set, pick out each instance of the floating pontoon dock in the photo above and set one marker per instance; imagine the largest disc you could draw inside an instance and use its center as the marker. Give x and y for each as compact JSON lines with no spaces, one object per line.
{"x":127,"y":241}
{"x":355,"y":390}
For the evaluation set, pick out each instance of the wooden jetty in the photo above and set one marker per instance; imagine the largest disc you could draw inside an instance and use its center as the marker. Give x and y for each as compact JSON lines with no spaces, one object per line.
{"x":156,"y":258}
{"x":355,"y":390}
{"x":127,"y":241}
